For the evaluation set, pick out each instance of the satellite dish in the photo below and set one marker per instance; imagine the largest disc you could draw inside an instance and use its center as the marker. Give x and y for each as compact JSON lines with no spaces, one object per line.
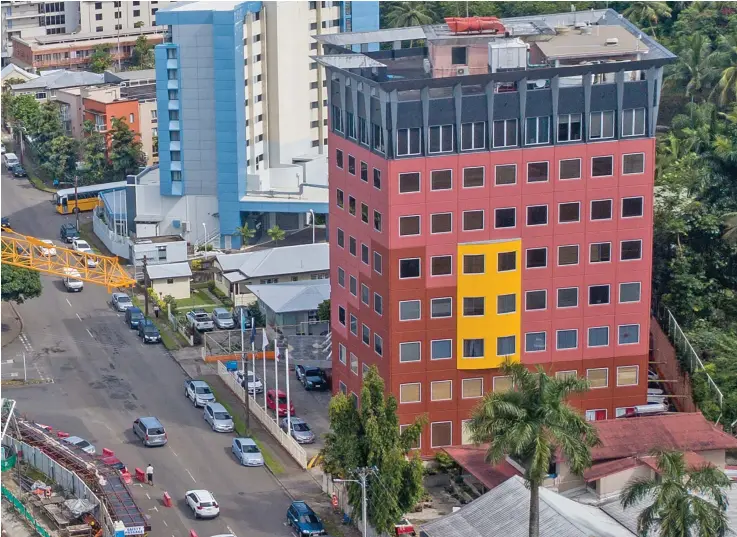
{"x":539,"y":83}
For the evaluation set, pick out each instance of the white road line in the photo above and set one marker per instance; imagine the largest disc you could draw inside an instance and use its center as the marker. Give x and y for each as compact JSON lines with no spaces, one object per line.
{"x":229,"y":530}
{"x":165,"y":524}
{"x":78,"y":317}
{"x":70,"y":304}
{"x":13,"y":375}
{"x":7,"y":362}
{"x":147,"y":496}
{"x":174,"y":453}
{"x":190,"y":475}
{"x":90,"y":333}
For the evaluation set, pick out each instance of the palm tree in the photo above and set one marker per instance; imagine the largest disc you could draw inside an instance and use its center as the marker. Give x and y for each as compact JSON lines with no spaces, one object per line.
{"x":246,"y":234}
{"x":694,"y":68}
{"x":726,"y":57}
{"x":686,"y":501}
{"x":531,"y":423}
{"x":404,"y":14}
{"x":647,"y":14}
{"x":276,"y":234}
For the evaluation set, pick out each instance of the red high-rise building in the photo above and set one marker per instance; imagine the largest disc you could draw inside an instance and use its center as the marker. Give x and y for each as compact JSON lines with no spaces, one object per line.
{"x":491,"y":199}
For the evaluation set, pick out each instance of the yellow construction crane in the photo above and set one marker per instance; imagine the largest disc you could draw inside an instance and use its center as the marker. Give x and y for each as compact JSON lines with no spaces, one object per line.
{"x":35,"y":254}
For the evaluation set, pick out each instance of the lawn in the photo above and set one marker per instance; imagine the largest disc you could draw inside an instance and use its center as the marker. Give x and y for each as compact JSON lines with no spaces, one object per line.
{"x":198,"y":298}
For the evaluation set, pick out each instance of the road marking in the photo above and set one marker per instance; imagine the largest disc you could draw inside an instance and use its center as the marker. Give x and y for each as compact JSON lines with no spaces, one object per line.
{"x":13,"y":375}
{"x":147,"y":496}
{"x":90,"y":333}
{"x":190,"y":475}
{"x":26,"y":342}
{"x":70,"y":304}
{"x":165,"y":524}
{"x":229,"y":530}
{"x":78,"y":317}
{"x":174,"y":453}
{"x":7,"y":362}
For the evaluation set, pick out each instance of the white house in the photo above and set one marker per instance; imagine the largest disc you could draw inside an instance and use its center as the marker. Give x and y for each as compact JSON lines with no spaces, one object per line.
{"x":170,"y":279}
{"x":292,"y":305}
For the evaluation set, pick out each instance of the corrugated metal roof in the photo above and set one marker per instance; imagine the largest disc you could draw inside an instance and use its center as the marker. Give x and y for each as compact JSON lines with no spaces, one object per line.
{"x":169,"y":270}
{"x":275,"y":261}
{"x":473,"y":460}
{"x":293,"y":296}
{"x":61,"y":79}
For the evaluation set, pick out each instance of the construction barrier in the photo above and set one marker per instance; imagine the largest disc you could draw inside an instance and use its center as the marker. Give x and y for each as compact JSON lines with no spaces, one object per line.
{"x":167,"y":500}
{"x":192,"y":533}
{"x":140,"y":475}
{"x":18,"y":505}
{"x":62,"y":434}
{"x":126,"y":476}
{"x":107,"y":452}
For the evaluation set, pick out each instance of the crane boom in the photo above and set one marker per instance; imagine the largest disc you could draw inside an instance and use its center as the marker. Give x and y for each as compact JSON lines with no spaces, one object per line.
{"x":27,"y":252}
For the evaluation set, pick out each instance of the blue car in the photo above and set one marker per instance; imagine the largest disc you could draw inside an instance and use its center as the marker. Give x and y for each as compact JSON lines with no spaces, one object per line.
{"x":303,"y":519}
{"x":133,"y":316}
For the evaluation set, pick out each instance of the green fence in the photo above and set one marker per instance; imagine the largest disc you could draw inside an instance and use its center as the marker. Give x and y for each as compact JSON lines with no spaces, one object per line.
{"x":24,"y":512}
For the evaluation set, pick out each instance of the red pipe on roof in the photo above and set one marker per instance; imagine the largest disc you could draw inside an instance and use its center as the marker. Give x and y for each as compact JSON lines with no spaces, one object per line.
{"x":459,"y":25}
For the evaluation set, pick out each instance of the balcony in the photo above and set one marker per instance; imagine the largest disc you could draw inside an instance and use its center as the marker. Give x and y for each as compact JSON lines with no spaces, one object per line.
{"x":174,"y":125}
{"x":176,"y":166}
{"x":172,"y":84}
{"x":174,"y":105}
{"x":172,"y":63}
{"x":175,"y":145}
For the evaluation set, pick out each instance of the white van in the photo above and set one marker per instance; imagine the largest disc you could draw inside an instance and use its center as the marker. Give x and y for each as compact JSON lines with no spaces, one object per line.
{"x":10,"y":160}
{"x":71,"y":280}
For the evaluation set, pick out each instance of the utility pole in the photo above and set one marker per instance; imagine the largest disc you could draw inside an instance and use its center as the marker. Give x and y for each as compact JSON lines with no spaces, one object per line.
{"x":76,"y":201}
{"x":145,"y":284}
{"x":362,"y":474}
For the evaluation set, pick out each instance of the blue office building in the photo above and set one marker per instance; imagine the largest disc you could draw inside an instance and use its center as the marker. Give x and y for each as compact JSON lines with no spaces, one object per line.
{"x":360,"y":17}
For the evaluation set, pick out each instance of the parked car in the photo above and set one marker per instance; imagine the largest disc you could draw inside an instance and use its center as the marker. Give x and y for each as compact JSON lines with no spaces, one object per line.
{"x":68,"y":232}
{"x":246,"y":452}
{"x":271,"y":402}
{"x":121,"y":301}
{"x":5,"y":222}
{"x":2,"y":149}
{"x":200,"y":320}
{"x":223,"y":319}
{"x":198,"y":392}
{"x":80,"y":443}
{"x":18,"y":171}
{"x":151,"y":431}
{"x":313,"y":378}
{"x":254,"y":382}
{"x":217,"y":416}
{"x":202,"y":503}
{"x":82,"y":246}
{"x":237,"y":316}
{"x":301,"y":432}
{"x":148,"y":332}
{"x":48,"y":249}
{"x":72,"y":281}
{"x":133,"y":316}
{"x":303,"y":519}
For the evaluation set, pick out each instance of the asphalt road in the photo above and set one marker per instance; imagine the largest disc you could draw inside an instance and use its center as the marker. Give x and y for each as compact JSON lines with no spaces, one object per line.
{"x":104,"y":378}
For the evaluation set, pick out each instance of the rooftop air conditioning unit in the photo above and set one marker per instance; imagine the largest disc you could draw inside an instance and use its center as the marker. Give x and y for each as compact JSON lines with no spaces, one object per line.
{"x":611,"y":41}
{"x":426,"y":66}
{"x":462,"y":71}
{"x":185,"y":226}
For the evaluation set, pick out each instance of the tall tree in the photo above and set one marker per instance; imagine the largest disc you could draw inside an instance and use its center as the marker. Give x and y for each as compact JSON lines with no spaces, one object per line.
{"x":686,"y":501}
{"x":46,"y":126}
{"x":647,"y":14}
{"x":95,"y":165}
{"x":726,"y":57}
{"x":246,"y":233}
{"x":532,"y":423}
{"x":694,"y":68}
{"x":126,"y":152}
{"x":143,"y":53}
{"x":404,"y":14}
{"x":369,"y":437}
{"x":61,"y":157}
{"x":100,"y":59}
{"x":323,"y":310}
{"x":19,"y":284}
{"x":276,"y":234}
{"x":23,"y":111}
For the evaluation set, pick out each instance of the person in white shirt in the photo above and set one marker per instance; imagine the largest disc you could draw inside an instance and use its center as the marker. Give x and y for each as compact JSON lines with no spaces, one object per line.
{"x":150,"y":474}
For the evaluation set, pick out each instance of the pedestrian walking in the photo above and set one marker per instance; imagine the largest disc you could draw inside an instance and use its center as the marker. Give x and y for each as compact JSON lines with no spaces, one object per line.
{"x":150,"y":474}
{"x":156,"y":310}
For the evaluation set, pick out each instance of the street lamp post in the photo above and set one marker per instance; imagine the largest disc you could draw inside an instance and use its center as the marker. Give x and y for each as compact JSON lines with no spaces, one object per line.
{"x":313,"y":225}
{"x":362,"y":475}
{"x":204,"y":242}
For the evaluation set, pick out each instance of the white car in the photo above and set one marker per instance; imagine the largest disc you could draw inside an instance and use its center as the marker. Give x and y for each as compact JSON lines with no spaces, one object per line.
{"x":2,"y":149}
{"x":81,"y":443}
{"x":72,"y":280}
{"x":48,"y":250}
{"x":202,"y":503}
{"x":79,"y":245}
{"x":254,"y":383}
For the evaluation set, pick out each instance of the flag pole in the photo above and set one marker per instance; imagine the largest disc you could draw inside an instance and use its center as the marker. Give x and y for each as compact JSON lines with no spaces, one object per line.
{"x":265,"y":343}
{"x":243,"y":366}
{"x":276,"y":378}
{"x":253,"y":356}
{"x":286,"y":380}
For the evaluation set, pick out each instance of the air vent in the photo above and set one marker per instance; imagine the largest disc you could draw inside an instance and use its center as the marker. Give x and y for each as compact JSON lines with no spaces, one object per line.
{"x":612,"y":41}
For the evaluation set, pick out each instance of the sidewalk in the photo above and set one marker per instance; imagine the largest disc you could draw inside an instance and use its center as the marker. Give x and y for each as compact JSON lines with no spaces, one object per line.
{"x":11,"y":325}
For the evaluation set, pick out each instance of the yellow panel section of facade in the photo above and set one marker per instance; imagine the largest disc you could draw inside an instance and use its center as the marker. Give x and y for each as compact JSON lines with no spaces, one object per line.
{"x":489,"y":285}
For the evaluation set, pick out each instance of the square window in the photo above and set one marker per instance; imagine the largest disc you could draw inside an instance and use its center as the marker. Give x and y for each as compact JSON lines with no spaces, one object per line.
{"x":601,"y":210}
{"x":502,"y":384}
{"x":409,"y":351}
{"x":458,"y":56}
{"x":364,"y":172}
{"x":629,"y":334}
{"x":628,"y":375}
{"x":633,"y":122}
{"x":473,"y":177}
{"x":568,"y":255}
{"x":633,"y":163}
{"x":601,"y":252}
{"x":505,"y":133}
{"x":473,"y":220}
{"x":339,"y":158}
{"x":441,"y":223}
{"x":569,"y":127}
{"x":441,"y":390}
{"x":441,"y":307}
{"x":598,"y":378}
{"x":506,"y":346}
{"x":409,"y":225}
{"x":351,"y":164}
{"x":566,"y":339}
{"x":506,"y":261}
{"x":409,"y":182}
{"x":441,"y":434}
{"x":417,"y":443}
{"x":537,"y":172}
{"x":598,"y":295}
{"x":631,"y":250}
{"x":409,"y":310}
{"x":472,"y":388}
{"x":568,"y":297}
{"x":473,"y":348}
{"x":562,"y":375}
{"x":341,"y":315}
{"x":535,"y":341}
{"x":570,"y":169}
{"x":473,"y":306}
{"x":506,"y":174}
{"x":378,"y":304}
{"x":537,"y":215}
{"x":377,"y":262}
{"x":598,"y":414}
{"x":409,"y":268}
{"x":473,"y":136}
{"x":599,"y":336}
{"x":409,"y":393}
{"x":441,"y":265}
{"x":536,"y":300}
{"x":632,"y":207}
{"x":537,"y":130}
{"x":377,"y":221}
{"x":537,"y":258}
{"x":629,"y":292}
{"x":505,"y":218}
{"x":441,"y":349}
{"x":441,"y":139}
{"x":506,"y":304}
{"x":353,"y":285}
{"x":569,"y":212}
{"x":602,"y":166}
{"x":408,"y":142}
{"x":441,"y":180}
{"x":474,"y":264}
{"x":365,"y":335}
{"x":601,"y":125}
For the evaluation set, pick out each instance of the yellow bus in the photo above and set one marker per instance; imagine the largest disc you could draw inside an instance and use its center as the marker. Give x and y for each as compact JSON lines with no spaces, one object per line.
{"x":87,"y":196}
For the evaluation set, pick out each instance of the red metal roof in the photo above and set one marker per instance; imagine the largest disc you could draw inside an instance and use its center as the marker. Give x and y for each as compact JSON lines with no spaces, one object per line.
{"x":692,"y":460}
{"x":604,"y":469}
{"x":622,"y":438}
{"x":473,"y":460}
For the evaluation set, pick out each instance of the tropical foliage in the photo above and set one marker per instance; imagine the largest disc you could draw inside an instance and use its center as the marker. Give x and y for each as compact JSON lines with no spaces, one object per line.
{"x":19,"y":284}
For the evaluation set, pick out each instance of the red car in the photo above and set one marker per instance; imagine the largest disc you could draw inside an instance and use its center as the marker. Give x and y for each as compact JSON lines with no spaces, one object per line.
{"x":271,"y":397}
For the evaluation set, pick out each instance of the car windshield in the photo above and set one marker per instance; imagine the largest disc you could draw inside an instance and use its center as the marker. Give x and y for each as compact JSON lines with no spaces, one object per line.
{"x":247,"y":448}
{"x":224,"y":315}
{"x":156,"y":430}
{"x":282,"y":400}
{"x":124,"y":299}
{"x":302,"y":427}
{"x":309,"y":519}
{"x":202,"y":389}
{"x":82,"y":444}
{"x":136,"y":315}
{"x":201,"y":316}
{"x":82,"y":244}
{"x":150,"y":329}
{"x":313,"y":373}
{"x":222,"y":416}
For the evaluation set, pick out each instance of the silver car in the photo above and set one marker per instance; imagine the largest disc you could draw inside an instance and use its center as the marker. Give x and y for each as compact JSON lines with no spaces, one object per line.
{"x":198,"y":392}
{"x":301,"y":432}
{"x":121,"y":301}
{"x":80,"y":443}
{"x":246,"y":452}
{"x":223,"y":318}
{"x":217,"y":416}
